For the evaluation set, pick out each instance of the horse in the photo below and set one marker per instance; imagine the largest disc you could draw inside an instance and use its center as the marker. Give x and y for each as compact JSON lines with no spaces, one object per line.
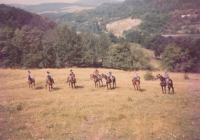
{"x":109,"y":80}
{"x":49,"y":82}
{"x":30,"y":82}
{"x":163,"y":84}
{"x":72,"y":81}
{"x":97,"y":80}
{"x":136,"y":83}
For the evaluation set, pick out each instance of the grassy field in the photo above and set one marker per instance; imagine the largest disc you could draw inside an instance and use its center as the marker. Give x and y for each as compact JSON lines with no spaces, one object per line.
{"x":89,"y":113}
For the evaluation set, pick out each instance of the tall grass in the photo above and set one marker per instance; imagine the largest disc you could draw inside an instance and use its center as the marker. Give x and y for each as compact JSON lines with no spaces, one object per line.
{"x":89,"y":113}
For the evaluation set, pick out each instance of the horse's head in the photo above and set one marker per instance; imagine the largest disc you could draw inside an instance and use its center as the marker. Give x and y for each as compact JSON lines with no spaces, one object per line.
{"x":160,"y":77}
{"x":157,"y":77}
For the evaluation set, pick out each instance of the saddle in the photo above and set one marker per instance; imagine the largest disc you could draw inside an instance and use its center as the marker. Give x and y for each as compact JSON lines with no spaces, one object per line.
{"x":112,"y":78}
{"x":31,"y":79}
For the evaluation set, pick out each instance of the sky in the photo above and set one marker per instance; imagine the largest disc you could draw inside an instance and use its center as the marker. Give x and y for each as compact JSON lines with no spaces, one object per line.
{"x":35,"y":2}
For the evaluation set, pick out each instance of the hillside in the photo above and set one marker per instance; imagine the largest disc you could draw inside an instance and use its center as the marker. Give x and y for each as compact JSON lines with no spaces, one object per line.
{"x":16,"y":18}
{"x":57,"y":10}
{"x":158,"y":16}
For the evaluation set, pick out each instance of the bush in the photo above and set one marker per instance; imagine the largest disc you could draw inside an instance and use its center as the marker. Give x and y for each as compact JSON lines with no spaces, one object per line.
{"x":148,"y":76}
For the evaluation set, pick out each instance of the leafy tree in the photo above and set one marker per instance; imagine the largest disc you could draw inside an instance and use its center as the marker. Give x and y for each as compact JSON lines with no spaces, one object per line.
{"x":176,"y":59}
{"x":28,"y":41}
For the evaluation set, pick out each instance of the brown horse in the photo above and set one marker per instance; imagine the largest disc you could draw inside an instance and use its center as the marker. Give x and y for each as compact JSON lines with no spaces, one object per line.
{"x":97,"y":80}
{"x":30,"y":82}
{"x":49,"y":82}
{"x":72,"y":81}
{"x":109,"y":80}
{"x":163,"y":84}
{"x":136,"y":83}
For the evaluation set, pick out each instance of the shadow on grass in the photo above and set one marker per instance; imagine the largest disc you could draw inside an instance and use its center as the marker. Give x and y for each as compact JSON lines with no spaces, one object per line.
{"x":56,"y":88}
{"x":39,"y":88}
{"x":142,"y":90}
{"x":79,"y":87}
{"x":101,"y":86}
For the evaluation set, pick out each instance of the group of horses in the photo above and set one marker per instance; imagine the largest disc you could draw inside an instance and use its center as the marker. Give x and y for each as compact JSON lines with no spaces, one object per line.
{"x":49,"y":82}
{"x":135,"y":82}
{"x":109,"y":81}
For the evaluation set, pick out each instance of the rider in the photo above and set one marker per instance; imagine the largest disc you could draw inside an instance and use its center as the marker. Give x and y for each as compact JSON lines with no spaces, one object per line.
{"x":49,"y":74}
{"x":31,"y":76}
{"x":166,"y":75}
{"x":110,"y":75}
{"x":96,"y":73}
{"x":135,"y":75}
{"x":71,"y":73}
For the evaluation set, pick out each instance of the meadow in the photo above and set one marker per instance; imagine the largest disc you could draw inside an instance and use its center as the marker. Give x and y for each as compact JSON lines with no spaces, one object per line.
{"x":89,"y":113}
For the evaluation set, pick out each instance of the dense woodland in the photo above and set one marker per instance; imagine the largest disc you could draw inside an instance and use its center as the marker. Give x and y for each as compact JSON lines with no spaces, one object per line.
{"x":158,"y":16}
{"x":30,"y":41}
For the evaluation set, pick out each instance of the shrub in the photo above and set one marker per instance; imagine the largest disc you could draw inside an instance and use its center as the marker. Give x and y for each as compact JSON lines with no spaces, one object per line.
{"x":148,"y":76}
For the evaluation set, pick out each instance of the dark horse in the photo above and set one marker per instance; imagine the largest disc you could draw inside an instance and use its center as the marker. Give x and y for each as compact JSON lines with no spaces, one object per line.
{"x":31,"y":81}
{"x":49,"y":82}
{"x":72,"y":81}
{"x":97,"y":80}
{"x":109,"y":80}
{"x":163,"y":84}
{"x":136,"y":83}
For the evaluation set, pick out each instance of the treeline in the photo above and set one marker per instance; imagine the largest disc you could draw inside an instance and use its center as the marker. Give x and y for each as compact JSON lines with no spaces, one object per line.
{"x":178,"y":53}
{"x":55,"y":46}
{"x":63,"y":47}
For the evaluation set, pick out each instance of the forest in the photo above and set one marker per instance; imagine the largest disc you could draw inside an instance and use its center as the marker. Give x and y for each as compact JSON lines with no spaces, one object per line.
{"x":30,"y":41}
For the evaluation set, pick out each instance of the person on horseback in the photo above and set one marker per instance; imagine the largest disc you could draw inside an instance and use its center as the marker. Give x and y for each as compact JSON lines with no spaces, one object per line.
{"x":71,"y":73}
{"x":96,"y":73}
{"x":135,"y":75}
{"x":111,"y":75}
{"x":48,"y":74}
{"x":166,"y":75}
{"x":31,"y":76}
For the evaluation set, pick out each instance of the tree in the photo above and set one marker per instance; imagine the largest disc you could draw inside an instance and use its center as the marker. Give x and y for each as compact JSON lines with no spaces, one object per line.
{"x":176,"y":59}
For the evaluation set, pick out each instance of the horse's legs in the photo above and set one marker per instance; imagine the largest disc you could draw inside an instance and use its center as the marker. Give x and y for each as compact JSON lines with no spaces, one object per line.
{"x":94,"y":84}
{"x":172,"y":89}
{"x":162,"y":89}
{"x":169,"y":89}
{"x":101,"y":82}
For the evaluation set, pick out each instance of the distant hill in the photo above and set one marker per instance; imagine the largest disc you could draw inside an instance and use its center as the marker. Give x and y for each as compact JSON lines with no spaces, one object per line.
{"x":16,"y":18}
{"x":158,"y":16}
{"x":56,"y":10}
